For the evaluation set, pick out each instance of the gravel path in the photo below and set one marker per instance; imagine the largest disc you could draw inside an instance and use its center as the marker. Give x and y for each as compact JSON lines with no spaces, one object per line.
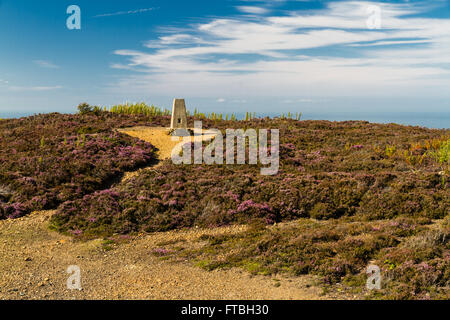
{"x":34,"y":260}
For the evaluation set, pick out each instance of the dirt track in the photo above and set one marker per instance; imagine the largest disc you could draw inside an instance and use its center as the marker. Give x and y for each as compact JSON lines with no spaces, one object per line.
{"x":34,"y":260}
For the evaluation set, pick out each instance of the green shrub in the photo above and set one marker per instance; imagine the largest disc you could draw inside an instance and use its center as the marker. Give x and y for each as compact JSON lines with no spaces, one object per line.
{"x":84,"y":108}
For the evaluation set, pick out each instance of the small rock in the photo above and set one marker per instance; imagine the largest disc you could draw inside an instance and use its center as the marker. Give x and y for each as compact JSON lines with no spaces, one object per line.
{"x":28,"y":259}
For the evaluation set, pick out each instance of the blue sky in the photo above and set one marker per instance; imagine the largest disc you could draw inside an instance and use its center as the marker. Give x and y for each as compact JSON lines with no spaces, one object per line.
{"x":227,"y":55}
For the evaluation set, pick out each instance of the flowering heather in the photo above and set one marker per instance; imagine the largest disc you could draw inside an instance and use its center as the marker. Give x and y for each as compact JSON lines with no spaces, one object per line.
{"x":49,"y":159}
{"x":413,"y":254}
{"x":334,"y":182}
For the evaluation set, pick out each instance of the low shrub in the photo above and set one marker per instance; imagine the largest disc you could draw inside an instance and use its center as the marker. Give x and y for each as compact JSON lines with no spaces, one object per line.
{"x":45,"y":160}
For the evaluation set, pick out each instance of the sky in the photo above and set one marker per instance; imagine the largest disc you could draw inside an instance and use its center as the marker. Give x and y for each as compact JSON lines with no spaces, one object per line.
{"x":227,"y":55}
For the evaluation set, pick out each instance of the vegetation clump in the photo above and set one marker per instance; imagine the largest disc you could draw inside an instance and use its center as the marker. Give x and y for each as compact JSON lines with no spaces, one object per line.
{"x":47,"y":160}
{"x":84,"y":108}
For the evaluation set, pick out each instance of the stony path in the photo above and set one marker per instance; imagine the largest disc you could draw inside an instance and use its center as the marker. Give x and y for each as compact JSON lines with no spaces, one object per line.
{"x":34,"y":260}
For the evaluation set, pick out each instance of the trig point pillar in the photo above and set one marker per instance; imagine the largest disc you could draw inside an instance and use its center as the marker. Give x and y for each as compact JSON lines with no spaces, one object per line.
{"x":179,"y":117}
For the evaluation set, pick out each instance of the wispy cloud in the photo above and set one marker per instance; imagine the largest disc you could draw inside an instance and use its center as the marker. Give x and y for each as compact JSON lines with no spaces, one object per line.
{"x":4,"y":81}
{"x":46,"y":64}
{"x":35,"y":88}
{"x":252,"y":10}
{"x":119,"y":13}
{"x":305,"y":100}
{"x":390,"y":43}
{"x":271,"y":56}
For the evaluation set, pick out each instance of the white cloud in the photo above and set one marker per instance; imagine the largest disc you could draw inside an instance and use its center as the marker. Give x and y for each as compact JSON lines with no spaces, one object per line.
{"x":211,"y":57}
{"x":221,"y":100}
{"x":46,"y":64}
{"x":252,"y":10}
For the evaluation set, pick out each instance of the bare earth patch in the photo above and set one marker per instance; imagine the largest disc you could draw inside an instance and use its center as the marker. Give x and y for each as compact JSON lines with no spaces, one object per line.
{"x":34,"y":260}
{"x":160,"y":138}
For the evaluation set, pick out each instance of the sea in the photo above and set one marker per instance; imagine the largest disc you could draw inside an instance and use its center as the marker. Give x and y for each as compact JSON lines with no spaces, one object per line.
{"x":434,"y":120}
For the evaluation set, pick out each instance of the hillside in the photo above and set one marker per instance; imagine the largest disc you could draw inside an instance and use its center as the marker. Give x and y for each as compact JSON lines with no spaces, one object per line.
{"x":347,"y":194}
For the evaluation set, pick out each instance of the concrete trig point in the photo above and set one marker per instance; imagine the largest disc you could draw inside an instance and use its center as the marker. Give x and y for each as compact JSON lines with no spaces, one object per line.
{"x":179,"y":116}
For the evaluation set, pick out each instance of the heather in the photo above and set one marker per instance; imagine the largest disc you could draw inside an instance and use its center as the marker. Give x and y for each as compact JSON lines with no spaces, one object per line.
{"x":172,"y":198}
{"x":327,"y":171}
{"x":413,"y":254}
{"x":49,"y":159}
